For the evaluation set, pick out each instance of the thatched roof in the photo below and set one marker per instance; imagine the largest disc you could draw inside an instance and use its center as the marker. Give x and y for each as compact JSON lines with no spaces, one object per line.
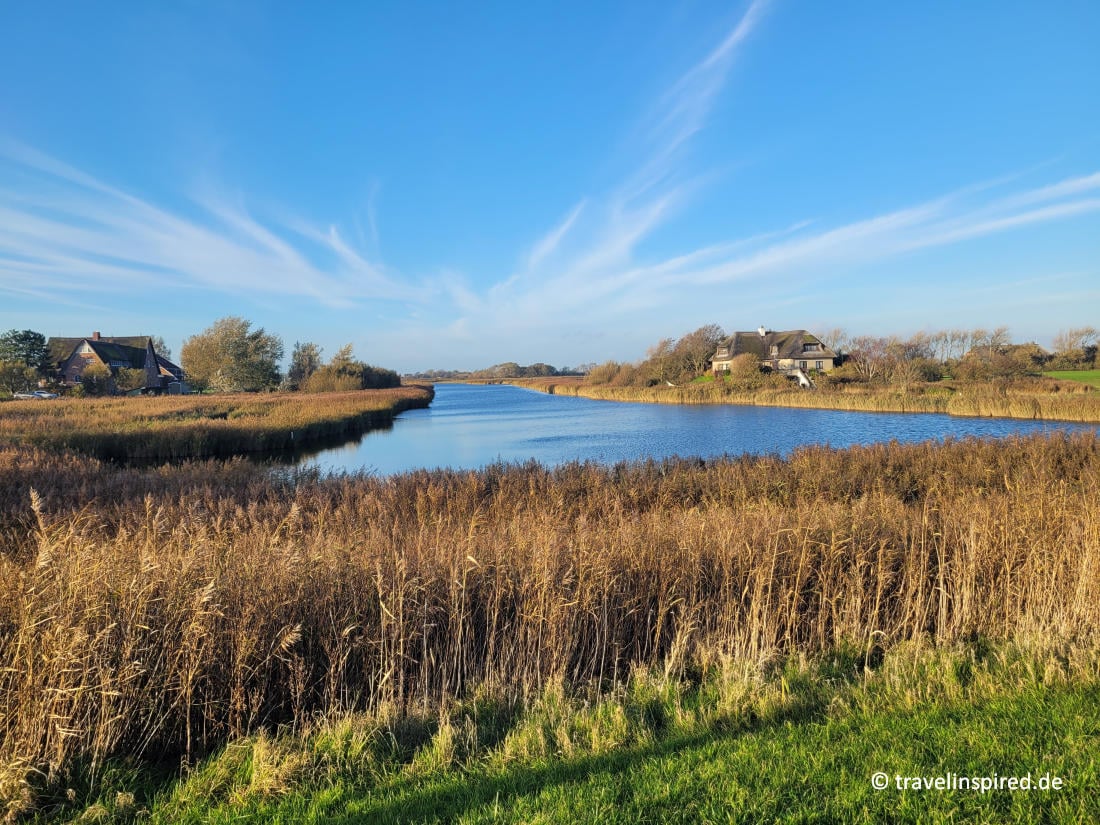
{"x":775,"y":345}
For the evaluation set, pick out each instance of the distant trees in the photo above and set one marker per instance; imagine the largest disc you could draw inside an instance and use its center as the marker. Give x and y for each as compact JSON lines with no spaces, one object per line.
{"x":160,"y":347}
{"x":15,"y":376}
{"x":95,"y":380}
{"x":230,"y":356}
{"x":27,"y":347}
{"x":304,"y":361}
{"x":23,"y":359}
{"x":835,"y":339}
{"x":870,"y":357}
{"x":978,"y":355}
{"x":127,"y":378}
{"x":344,"y":372}
{"x":692,"y":353}
{"x":1076,"y":348}
{"x":672,"y":361}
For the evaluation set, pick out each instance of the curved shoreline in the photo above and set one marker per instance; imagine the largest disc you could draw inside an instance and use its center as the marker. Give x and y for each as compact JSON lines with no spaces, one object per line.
{"x":184,"y":427}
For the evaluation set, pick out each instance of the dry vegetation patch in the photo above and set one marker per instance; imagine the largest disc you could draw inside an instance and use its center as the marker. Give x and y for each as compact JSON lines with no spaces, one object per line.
{"x":173,"y":609}
{"x":197,"y":426}
{"x":1044,"y":399}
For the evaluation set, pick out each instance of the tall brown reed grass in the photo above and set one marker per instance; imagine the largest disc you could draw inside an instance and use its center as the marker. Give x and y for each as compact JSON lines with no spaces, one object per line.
{"x":1046,"y":400}
{"x":170,"y":609}
{"x":195,"y":426}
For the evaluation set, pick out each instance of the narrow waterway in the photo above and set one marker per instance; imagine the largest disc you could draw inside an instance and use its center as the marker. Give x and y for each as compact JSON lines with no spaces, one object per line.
{"x":470,"y":426}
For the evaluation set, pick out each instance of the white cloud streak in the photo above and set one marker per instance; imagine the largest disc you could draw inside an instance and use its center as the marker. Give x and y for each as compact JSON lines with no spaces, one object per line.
{"x":590,"y":265}
{"x":61,"y":225}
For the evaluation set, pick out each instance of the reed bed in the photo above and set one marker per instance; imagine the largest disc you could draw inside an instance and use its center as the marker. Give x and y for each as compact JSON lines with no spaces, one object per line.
{"x":1053,"y":401}
{"x":196,"y":426}
{"x":170,"y":610}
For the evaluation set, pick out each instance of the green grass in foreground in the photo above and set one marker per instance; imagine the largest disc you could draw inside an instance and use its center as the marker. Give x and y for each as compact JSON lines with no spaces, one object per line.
{"x":799,"y":745}
{"x":1090,"y":377}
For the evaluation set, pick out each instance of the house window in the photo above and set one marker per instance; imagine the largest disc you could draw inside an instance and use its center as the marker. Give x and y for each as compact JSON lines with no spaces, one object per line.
{"x":802,"y":365}
{"x":818,"y":367}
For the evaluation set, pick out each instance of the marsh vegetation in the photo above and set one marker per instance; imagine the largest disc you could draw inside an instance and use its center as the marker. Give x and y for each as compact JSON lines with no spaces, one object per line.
{"x":169,"y":611}
{"x":197,"y":426}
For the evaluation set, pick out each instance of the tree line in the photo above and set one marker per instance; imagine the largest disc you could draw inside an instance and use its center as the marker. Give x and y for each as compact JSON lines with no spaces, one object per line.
{"x":978,"y":354}
{"x":229,"y":356}
{"x":506,"y":369}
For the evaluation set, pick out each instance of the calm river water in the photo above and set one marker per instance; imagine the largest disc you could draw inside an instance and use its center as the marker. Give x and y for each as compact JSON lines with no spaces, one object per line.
{"x":470,"y":426}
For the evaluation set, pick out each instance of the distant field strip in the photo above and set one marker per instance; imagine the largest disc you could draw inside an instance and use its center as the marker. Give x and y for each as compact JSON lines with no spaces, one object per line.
{"x":1090,"y":377}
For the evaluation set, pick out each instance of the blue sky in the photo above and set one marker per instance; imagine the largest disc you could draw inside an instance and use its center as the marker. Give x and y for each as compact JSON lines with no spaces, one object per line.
{"x":451,"y":186}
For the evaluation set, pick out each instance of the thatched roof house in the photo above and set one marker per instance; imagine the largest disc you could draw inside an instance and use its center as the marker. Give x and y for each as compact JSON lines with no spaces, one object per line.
{"x":786,"y":351}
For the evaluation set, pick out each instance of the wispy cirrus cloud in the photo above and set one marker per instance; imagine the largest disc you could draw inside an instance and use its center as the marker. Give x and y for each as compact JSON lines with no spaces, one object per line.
{"x":597,"y":265}
{"x":595,"y":259}
{"x":60,"y":225}
{"x":592,"y":251}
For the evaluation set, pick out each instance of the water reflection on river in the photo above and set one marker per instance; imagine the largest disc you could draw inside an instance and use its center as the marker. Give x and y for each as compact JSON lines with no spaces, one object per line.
{"x":471,"y":426}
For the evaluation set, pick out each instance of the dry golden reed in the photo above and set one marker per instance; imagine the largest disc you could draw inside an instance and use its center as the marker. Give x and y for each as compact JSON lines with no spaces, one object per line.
{"x":169,"y":427}
{"x":171,"y":609}
{"x":1045,"y":400}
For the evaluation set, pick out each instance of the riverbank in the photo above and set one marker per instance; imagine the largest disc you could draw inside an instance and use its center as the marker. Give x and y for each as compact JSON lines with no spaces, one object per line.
{"x":675,"y":748}
{"x":202,"y":426}
{"x":1045,"y":401}
{"x":178,"y":610}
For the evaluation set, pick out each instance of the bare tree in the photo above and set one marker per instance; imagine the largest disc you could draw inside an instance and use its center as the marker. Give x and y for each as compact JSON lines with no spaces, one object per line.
{"x":992,"y":341}
{"x":999,"y":340}
{"x":835,"y":339}
{"x":870,"y":356}
{"x":957,"y":340}
{"x":659,"y":360}
{"x":978,"y":338}
{"x":1069,"y":340}
{"x":694,"y":350}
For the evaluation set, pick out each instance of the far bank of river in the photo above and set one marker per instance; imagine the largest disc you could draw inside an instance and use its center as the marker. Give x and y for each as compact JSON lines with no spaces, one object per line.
{"x":468,"y":427}
{"x":1065,"y":401}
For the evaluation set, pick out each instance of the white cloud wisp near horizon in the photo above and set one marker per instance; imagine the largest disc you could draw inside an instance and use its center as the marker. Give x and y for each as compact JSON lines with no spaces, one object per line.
{"x":63,"y":225}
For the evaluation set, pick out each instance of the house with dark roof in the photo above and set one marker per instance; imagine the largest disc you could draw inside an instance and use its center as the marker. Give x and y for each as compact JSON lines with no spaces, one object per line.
{"x":790,"y":352}
{"x":71,"y":356}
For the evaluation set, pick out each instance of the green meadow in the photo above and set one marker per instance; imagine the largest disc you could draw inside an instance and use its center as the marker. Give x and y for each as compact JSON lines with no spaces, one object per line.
{"x":1090,"y":377}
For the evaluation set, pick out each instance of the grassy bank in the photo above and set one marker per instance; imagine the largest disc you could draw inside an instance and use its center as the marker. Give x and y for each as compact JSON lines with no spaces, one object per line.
{"x":195,"y":426}
{"x":177,"y":609}
{"x":1054,"y":400}
{"x":791,"y":740}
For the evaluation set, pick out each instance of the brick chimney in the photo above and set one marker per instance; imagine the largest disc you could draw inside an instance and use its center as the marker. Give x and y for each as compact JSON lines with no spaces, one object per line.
{"x":95,"y":335}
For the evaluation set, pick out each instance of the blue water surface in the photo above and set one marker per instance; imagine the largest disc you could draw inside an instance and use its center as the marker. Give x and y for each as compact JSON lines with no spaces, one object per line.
{"x":467,"y":427}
